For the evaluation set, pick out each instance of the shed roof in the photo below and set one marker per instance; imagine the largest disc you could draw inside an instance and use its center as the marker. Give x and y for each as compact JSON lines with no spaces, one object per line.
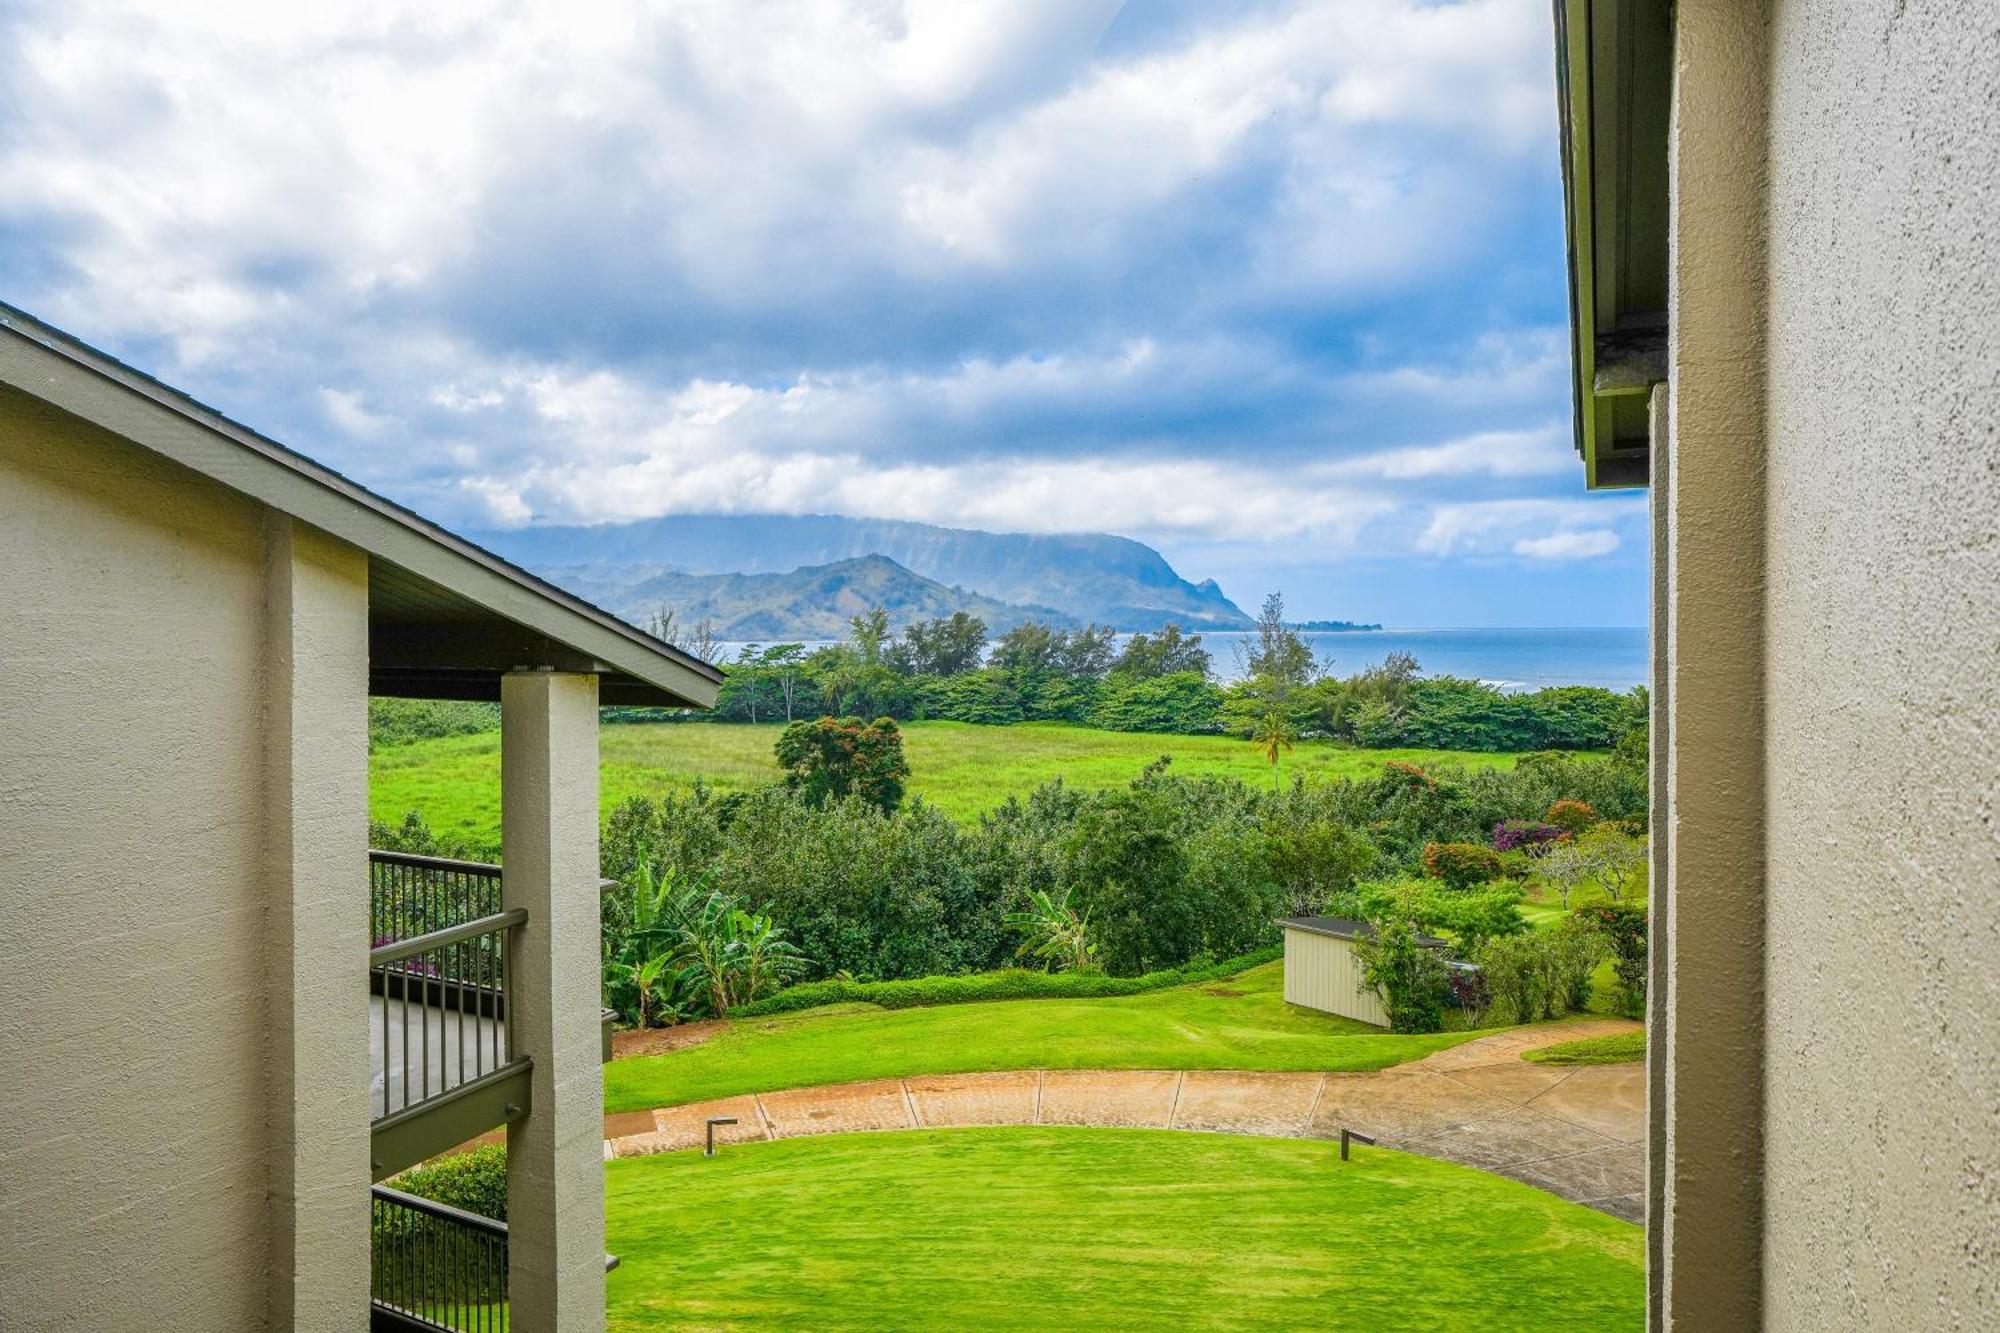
{"x":1345,"y":928}
{"x":446,"y":619}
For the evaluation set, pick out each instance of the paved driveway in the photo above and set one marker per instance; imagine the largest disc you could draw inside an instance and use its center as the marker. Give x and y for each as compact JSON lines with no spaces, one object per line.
{"x":1576,"y":1132}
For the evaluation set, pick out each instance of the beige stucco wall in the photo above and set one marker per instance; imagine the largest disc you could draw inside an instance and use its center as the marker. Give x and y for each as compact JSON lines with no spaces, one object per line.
{"x":1882,"y":1139}
{"x":138,"y":854}
{"x":1323,"y":973}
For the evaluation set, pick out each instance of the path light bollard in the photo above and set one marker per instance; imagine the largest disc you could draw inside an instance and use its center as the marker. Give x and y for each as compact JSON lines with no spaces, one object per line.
{"x":1347,"y":1135}
{"x":708,"y":1149}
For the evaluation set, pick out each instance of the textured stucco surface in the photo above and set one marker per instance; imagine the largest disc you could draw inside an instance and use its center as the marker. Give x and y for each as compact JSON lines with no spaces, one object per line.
{"x":1707,"y":1173}
{"x":548,"y":834}
{"x":131,"y":849}
{"x":1883,"y":981}
{"x":168,"y":1129}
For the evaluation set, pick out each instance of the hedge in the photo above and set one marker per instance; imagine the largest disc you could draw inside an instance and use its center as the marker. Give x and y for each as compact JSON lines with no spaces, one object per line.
{"x":1013,"y":983}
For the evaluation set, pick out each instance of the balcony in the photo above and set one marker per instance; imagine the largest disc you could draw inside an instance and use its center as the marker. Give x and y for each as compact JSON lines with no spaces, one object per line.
{"x":443,"y":1059}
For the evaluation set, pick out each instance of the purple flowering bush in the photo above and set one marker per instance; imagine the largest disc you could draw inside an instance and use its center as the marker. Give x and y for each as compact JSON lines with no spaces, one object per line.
{"x":1526,"y":835}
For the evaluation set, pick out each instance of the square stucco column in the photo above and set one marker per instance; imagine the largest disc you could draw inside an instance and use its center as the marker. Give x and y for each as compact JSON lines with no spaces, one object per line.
{"x":316,"y":775}
{"x":555,"y":1154}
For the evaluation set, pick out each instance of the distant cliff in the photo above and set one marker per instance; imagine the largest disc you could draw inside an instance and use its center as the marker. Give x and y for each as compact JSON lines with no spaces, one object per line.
{"x":815,"y":602}
{"x":1085,"y":577}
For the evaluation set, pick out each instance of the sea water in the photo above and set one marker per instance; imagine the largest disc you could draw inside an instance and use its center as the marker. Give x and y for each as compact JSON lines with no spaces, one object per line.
{"x":1511,"y":659}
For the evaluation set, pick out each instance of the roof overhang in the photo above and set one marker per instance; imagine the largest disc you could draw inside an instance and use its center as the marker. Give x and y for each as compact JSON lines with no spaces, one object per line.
{"x":1614,"y":72}
{"x":446,"y":618}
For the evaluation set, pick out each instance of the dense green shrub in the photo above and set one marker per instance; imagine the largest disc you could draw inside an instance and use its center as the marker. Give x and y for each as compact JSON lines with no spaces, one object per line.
{"x":1006,"y":984}
{"x":1411,"y":977}
{"x":400,"y":721}
{"x":1542,"y":974}
{"x":415,"y":836}
{"x":834,"y":757}
{"x":1183,"y":703}
{"x":1624,"y":926}
{"x":1461,"y":865}
{"x":475,"y":1181}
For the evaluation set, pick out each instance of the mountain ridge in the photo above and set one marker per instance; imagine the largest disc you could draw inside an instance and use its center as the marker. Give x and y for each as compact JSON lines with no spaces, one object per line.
{"x":1098,"y":577}
{"x":810,"y":602}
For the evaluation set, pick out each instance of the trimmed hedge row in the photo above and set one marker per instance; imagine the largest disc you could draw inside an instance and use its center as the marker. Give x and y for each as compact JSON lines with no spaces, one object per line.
{"x":1012,"y":983}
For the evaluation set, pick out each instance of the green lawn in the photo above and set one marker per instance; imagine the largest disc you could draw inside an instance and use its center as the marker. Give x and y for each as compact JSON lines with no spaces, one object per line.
{"x":1102,"y":1229}
{"x":1242,"y":1022}
{"x":455,"y":781}
{"x":1617,"y":1049}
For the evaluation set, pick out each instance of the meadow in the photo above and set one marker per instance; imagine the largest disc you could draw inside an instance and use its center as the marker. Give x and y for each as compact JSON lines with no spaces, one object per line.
{"x":1241,"y":1022}
{"x":1037,"y":1228}
{"x":454,"y":781}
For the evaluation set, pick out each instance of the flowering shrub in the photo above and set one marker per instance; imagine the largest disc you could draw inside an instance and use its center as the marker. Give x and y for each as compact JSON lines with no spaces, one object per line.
{"x":1571,"y":817}
{"x":1526,"y":835}
{"x":1461,"y":864}
{"x":1395,"y":773}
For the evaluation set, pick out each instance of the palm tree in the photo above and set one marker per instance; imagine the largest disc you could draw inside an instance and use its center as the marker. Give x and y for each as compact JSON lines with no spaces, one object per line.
{"x":1274,"y":734}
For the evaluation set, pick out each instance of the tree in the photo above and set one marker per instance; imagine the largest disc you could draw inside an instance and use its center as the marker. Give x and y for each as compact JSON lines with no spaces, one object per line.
{"x":1030,"y":646}
{"x":946,"y":646}
{"x":1411,"y":978}
{"x":1273,"y":736}
{"x":1170,"y":652}
{"x":1614,"y":856}
{"x":784,"y":661}
{"x":832,"y":758}
{"x":1461,"y":865}
{"x":1088,"y":652}
{"x":1564,"y":868}
{"x":1571,"y":816}
{"x":1278,"y":656}
{"x":1057,"y":934}
{"x":701,"y":639}
{"x":868,"y":632}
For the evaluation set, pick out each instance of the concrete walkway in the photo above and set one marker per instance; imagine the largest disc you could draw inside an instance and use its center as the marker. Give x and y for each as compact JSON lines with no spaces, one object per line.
{"x":1575,"y":1132}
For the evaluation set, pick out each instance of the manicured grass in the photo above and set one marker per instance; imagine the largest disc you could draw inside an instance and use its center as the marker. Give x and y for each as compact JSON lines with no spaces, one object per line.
{"x":1102,"y":1229}
{"x":1240,"y":1022}
{"x":1616,"y":1049}
{"x":455,"y":781}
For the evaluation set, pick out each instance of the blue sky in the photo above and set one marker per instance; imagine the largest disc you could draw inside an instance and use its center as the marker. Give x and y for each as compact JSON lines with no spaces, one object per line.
{"x":1277,"y":287}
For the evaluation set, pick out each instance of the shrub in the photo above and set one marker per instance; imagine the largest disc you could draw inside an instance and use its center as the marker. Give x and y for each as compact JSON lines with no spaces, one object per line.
{"x":400,"y":721}
{"x":1571,"y":816}
{"x":1542,"y":975}
{"x":1526,"y":835}
{"x":835,"y":757}
{"x":1461,"y":865}
{"x":1624,"y":927}
{"x":1006,"y":984}
{"x":1411,"y":978}
{"x":475,"y":1181}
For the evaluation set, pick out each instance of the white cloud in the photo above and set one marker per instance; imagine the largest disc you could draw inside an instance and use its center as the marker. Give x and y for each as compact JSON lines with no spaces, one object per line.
{"x":1521,"y":453}
{"x":1568,"y":545}
{"x":1492,"y":527}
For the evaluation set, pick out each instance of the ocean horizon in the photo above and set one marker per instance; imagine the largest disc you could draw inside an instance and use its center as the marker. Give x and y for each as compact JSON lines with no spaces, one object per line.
{"x":1512,"y":659}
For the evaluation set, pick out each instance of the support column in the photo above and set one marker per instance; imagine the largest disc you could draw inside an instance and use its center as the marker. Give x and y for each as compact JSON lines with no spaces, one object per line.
{"x":555,"y":1155}
{"x":1659,"y":936}
{"x":1709,"y":1168}
{"x":316,"y":776}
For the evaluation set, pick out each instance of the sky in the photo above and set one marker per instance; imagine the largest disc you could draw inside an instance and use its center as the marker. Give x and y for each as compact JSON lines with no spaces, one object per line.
{"x":1274,"y":285}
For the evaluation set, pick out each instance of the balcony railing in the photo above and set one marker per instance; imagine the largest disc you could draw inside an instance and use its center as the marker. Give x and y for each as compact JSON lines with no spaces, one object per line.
{"x":436,"y":1267}
{"x":441,"y":1029}
{"x":413,"y":895}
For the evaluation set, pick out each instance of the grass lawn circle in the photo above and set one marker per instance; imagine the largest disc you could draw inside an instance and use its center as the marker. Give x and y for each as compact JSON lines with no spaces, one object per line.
{"x":1038,"y":1228}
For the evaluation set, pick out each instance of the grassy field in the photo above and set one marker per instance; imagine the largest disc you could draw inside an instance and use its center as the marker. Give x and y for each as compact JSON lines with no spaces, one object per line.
{"x":1242,"y":1022}
{"x":1617,"y":1049}
{"x":1102,"y":1229}
{"x":455,"y":781}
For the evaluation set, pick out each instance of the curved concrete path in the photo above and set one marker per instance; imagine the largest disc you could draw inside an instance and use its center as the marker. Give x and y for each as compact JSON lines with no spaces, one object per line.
{"x":1576,"y":1132}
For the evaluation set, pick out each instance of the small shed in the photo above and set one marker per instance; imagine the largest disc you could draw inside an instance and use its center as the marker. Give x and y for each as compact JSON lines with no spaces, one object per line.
{"x":1323,"y":972}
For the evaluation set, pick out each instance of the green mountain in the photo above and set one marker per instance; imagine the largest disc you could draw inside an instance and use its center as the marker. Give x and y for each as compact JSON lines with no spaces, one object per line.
{"x":814,"y":602}
{"x":1096,"y":577}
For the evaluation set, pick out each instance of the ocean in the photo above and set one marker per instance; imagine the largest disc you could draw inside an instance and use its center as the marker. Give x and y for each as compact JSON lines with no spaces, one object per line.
{"x":1512,"y":659}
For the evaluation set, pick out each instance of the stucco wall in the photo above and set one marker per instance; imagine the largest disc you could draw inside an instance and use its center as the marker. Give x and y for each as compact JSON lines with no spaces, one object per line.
{"x":135,"y":851}
{"x":1882,"y":1201}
